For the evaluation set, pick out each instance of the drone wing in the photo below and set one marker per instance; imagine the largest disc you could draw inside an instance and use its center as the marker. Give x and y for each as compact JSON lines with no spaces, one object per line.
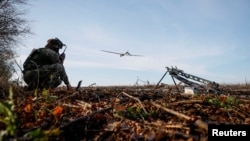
{"x":111,"y":52}
{"x":127,"y":53}
{"x":136,"y":55}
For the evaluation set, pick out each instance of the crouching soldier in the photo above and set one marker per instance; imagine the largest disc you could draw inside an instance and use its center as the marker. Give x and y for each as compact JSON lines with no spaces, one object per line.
{"x":44,"y":68}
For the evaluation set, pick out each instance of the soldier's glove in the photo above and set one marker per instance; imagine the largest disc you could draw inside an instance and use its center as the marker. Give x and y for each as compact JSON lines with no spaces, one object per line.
{"x":62,"y":57}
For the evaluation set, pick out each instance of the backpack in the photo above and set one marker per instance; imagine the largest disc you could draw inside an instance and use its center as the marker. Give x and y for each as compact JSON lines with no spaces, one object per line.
{"x":28,"y":63}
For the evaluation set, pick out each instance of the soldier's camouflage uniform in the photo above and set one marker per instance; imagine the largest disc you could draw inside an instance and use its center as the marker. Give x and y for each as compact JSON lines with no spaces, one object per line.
{"x":44,"y":69}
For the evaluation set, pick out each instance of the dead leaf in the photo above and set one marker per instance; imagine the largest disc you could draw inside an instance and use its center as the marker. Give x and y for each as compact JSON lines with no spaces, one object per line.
{"x":120,"y":108}
{"x":28,"y":108}
{"x":58,"y":111}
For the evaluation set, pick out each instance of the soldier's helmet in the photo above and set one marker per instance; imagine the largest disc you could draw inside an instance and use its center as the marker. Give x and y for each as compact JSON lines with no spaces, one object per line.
{"x":55,"y":43}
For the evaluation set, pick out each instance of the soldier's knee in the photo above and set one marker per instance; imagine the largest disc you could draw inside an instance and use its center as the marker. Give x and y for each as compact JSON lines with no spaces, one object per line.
{"x":29,"y":76}
{"x":59,"y":67}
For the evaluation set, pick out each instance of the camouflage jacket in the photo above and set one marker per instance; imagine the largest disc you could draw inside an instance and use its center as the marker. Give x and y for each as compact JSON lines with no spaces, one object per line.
{"x":43,"y":56}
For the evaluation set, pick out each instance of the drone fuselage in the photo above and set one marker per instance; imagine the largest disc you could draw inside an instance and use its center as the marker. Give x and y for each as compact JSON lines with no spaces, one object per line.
{"x":121,"y":55}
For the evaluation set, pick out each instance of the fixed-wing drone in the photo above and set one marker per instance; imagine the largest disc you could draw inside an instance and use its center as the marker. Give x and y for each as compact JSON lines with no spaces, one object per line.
{"x":122,"y":54}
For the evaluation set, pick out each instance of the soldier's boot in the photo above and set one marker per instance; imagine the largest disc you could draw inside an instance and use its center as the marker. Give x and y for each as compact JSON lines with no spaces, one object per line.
{"x":51,"y":83}
{"x":31,"y":86}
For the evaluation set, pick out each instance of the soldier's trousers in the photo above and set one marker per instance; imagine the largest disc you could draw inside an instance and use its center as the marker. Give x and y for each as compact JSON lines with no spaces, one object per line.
{"x":47,"y":76}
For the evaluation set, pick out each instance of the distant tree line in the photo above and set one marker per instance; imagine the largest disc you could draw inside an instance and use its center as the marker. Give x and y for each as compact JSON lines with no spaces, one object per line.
{"x":13,"y":28}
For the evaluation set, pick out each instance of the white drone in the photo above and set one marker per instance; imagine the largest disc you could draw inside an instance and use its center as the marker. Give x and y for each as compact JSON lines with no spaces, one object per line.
{"x":122,"y":54}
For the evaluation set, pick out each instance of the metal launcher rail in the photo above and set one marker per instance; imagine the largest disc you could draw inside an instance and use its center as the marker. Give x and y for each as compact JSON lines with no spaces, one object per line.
{"x":210,"y":86}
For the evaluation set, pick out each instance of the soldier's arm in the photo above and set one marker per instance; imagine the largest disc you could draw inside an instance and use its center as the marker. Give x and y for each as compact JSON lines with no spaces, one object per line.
{"x":52,"y":56}
{"x":65,"y":79}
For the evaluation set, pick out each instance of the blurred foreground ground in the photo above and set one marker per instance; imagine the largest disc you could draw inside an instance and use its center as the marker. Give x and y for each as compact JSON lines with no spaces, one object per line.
{"x":135,"y":113}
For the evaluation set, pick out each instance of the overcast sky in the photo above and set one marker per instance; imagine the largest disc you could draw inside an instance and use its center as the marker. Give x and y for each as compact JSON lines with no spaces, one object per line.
{"x":206,"y":38}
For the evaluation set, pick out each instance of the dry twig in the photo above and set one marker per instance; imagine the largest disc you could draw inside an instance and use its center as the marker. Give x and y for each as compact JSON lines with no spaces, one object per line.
{"x":198,"y":122}
{"x":186,"y":102}
{"x":83,"y":117}
{"x":136,"y":100}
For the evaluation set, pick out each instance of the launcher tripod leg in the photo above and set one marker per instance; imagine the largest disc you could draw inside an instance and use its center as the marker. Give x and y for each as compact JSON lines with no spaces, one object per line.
{"x":161,"y":79}
{"x":175,"y":84}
